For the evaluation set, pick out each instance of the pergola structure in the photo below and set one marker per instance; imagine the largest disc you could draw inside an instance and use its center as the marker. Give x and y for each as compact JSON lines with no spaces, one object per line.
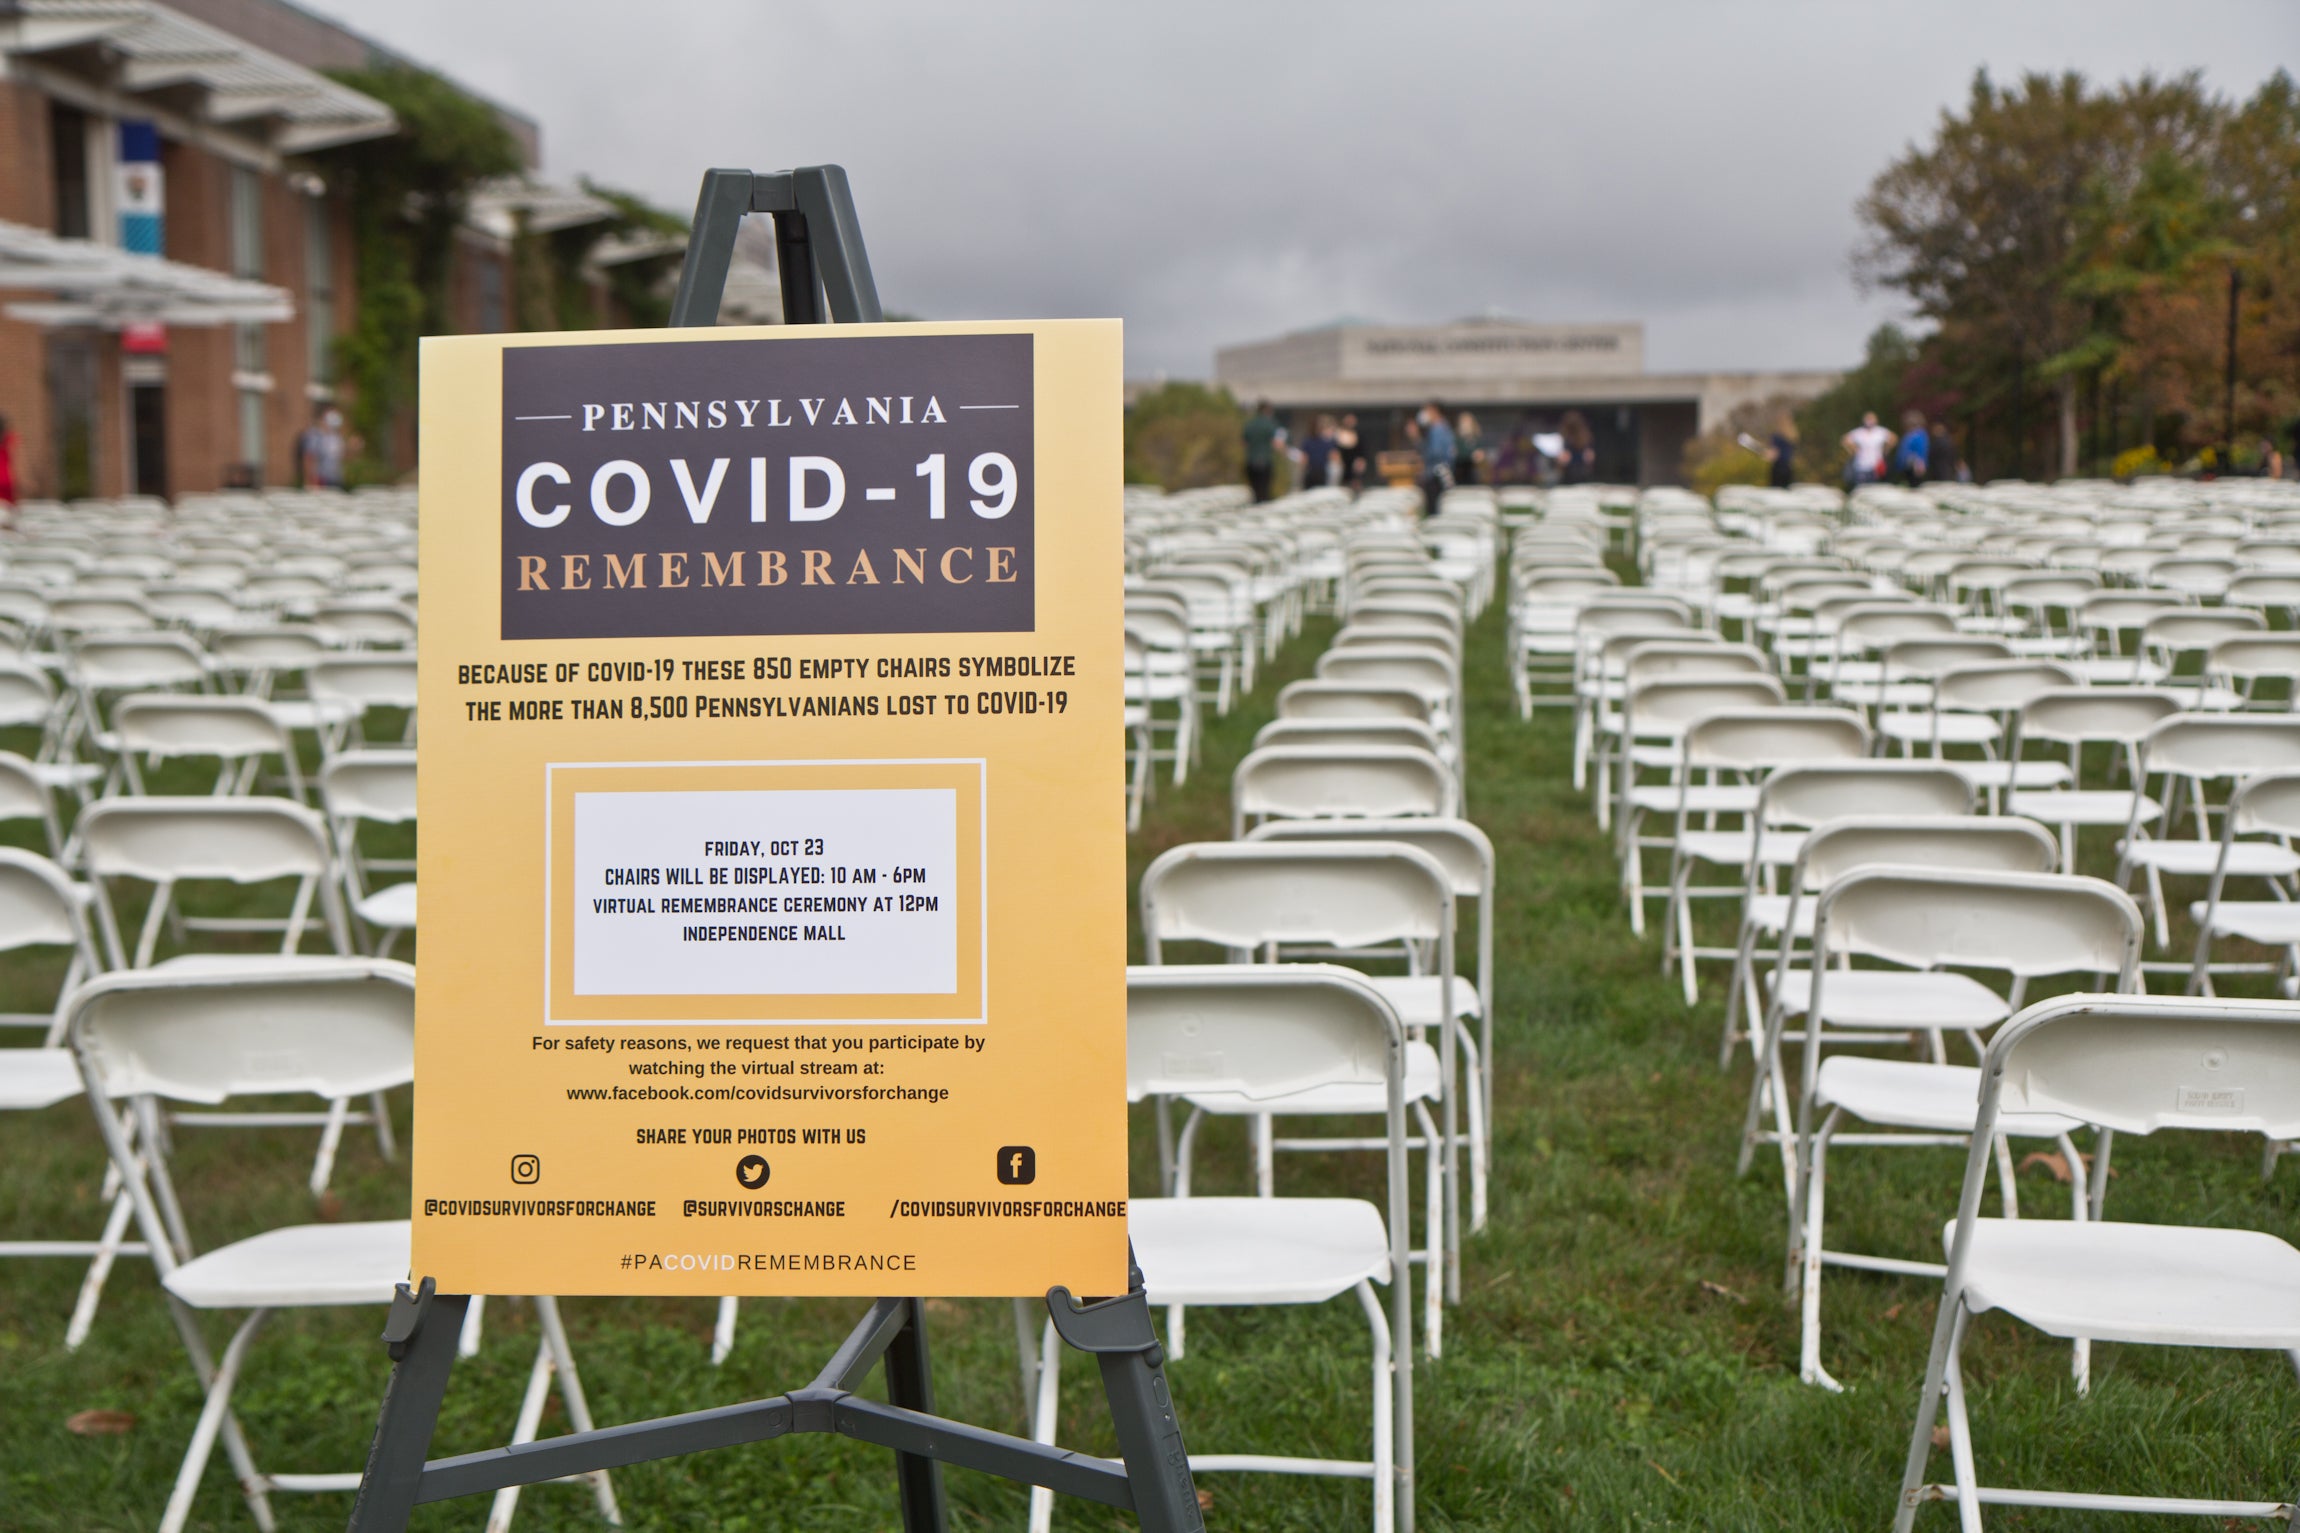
{"x":84,"y":283}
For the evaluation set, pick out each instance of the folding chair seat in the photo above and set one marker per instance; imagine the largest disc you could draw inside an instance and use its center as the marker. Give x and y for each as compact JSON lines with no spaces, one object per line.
{"x":375,"y":787}
{"x":1283,"y":1031}
{"x":1792,"y":803}
{"x":1263,"y":898}
{"x":2131,"y":1065}
{"x":2022,"y":925}
{"x":343,"y":1028}
{"x":237,"y":733}
{"x":2191,"y":751}
{"x":1467,"y":856}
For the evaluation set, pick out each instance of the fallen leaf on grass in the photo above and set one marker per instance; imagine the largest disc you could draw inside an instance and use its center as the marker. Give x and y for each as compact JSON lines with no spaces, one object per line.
{"x":330,"y":1207}
{"x":1205,"y":1499}
{"x":2057,"y":1163}
{"x":1940,"y":1437}
{"x":941,"y":1307}
{"x":1894,"y":1313}
{"x":100,"y":1423}
{"x":1665,"y":1474}
{"x":1721,"y":1291}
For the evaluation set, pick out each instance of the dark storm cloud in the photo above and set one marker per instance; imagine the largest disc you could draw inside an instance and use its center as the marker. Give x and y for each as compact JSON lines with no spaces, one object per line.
{"x":1215,"y":172}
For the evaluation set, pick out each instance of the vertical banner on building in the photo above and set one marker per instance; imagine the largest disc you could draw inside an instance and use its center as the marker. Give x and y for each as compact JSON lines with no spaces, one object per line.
{"x":772,"y":853}
{"x":140,"y":191}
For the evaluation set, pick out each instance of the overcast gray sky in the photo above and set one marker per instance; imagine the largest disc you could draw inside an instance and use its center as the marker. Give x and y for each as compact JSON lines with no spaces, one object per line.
{"x":1214,"y":171}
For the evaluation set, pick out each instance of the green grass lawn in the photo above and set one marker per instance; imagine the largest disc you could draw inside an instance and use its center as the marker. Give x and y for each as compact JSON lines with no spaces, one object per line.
{"x":1623,"y":1355}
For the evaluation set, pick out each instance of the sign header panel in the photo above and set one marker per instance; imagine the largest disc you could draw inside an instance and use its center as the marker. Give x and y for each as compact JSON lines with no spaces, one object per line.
{"x":773,"y":855}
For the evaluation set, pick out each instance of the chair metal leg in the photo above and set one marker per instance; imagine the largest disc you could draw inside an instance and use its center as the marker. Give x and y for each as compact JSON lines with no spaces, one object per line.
{"x":723,"y":1328}
{"x":215,"y":1413}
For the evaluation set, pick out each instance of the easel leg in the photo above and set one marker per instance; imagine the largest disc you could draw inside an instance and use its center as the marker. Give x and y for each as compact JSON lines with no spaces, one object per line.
{"x":421,"y":1333}
{"x":910,"y":1384}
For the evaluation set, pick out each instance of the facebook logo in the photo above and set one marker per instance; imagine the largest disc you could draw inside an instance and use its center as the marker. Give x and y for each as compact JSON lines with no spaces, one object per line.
{"x":1017,"y":1165}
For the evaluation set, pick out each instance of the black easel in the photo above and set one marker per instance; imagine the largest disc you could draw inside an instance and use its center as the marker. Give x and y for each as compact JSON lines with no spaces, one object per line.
{"x":820,"y":252}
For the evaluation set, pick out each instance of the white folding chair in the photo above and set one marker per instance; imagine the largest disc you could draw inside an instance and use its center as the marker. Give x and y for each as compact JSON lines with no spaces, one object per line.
{"x":2133,"y":1065}
{"x":41,"y":907}
{"x":1257,"y":899}
{"x":2115,"y":717}
{"x":337,"y":1029}
{"x":1466,"y":853}
{"x":376,"y":787}
{"x":1262,"y":1033}
{"x":2191,"y":751}
{"x":2021,"y":925}
{"x":1793,"y":801}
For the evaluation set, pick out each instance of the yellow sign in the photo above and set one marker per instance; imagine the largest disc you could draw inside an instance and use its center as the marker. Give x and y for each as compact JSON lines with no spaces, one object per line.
{"x":772,"y":854}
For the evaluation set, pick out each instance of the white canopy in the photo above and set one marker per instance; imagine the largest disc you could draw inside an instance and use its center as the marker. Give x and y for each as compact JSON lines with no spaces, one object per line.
{"x":188,"y":67}
{"x":84,"y":283}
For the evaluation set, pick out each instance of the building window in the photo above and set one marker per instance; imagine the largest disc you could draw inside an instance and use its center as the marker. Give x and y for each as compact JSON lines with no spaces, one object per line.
{"x":68,"y":148}
{"x":490,"y":296}
{"x":319,"y":291}
{"x":253,"y":404}
{"x":246,"y":223}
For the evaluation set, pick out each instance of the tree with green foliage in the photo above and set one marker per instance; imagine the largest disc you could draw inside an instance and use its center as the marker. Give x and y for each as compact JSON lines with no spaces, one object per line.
{"x":2072,"y":239}
{"x":408,"y":193}
{"x":1183,"y":436}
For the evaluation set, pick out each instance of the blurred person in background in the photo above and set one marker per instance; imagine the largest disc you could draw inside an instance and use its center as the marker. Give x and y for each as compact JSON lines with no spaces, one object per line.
{"x":7,"y":463}
{"x":1437,"y":444}
{"x":1781,"y":453}
{"x":1350,"y":449}
{"x":320,"y":449}
{"x":1915,"y":445}
{"x":1941,"y":461}
{"x":1264,"y":439}
{"x":1578,"y":463}
{"x":1468,"y":449}
{"x":1868,"y":443}
{"x":1319,"y":458}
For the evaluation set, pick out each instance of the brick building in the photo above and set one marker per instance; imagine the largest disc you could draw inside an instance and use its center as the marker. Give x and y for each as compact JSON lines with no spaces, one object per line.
{"x":174,"y":270}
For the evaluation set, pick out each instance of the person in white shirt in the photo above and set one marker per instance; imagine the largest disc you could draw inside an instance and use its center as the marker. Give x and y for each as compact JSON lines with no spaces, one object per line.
{"x":1869,"y":443}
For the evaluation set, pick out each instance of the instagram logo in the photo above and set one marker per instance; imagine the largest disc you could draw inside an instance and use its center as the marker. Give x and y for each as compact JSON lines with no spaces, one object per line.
{"x":526,"y":1170}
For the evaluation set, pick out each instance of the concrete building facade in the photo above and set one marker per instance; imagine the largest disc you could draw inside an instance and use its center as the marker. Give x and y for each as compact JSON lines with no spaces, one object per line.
{"x":1513,"y":375}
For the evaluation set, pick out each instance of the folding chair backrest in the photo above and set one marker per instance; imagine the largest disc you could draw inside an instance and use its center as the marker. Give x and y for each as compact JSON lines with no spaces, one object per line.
{"x":1318,"y":699}
{"x":171,"y":724}
{"x":269,"y":649}
{"x":2072,"y":715}
{"x":1998,"y":685}
{"x":1432,"y":675}
{"x":1348,"y":734}
{"x":2139,"y":1063}
{"x":334,"y":1028}
{"x":2255,"y":655}
{"x":1819,"y":792}
{"x":2199,"y":628}
{"x":1604,"y":614}
{"x":27,"y":696}
{"x":370,"y":785}
{"x":2213,"y":745}
{"x":39,"y":907}
{"x":1873,"y":625}
{"x":1759,"y":740}
{"x":2267,"y":804}
{"x":368,"y":680}
{"x":1463,"y":850}
{"x":1310,"y":782}
{"x":1247,"y":894}
{"x":1261,"y":1030}
{"x":1663,"y":660}
{"x":137,"y":662}
{"x":1968,"y":844}
{"x":1929,"y":657}
{"x":242,"y":840}
{"x":1666,"y":707}
{"x":2025,"y":924}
